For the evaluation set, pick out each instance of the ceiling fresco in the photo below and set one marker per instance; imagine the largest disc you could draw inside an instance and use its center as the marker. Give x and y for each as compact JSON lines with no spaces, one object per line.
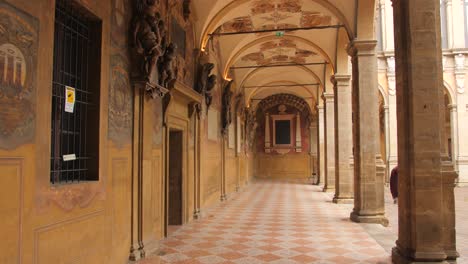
{"x":279,"y":51}
{"x":276,"y":14}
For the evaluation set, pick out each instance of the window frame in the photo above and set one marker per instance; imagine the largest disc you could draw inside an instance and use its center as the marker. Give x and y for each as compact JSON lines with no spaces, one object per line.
{"x":85,"y":77}
{"x":290,"y":118}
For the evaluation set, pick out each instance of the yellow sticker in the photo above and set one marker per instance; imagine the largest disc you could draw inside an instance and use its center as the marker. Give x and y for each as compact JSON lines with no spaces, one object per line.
{"x":69,"y":99}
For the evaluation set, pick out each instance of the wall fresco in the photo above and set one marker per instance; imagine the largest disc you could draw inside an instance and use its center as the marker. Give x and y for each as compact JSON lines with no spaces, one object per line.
{"x":120,"y":90}
{"x":18,"y":59}
{"x":276,"y":14}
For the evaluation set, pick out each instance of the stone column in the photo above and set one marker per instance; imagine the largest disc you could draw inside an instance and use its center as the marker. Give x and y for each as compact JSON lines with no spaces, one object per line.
{"x":387,"y":142}
{"x":298,"y":134}
{"x":392,"y":147}
{"x":344,"y":191}
{"x":321,"y":144}
{"x":329,"y":183}
{"x":267,"y":134}
{"x":454,"y":129}
{"x":369,"y":170}
{"x":313,"y":150}
{"x":426,"y":230}
{"x":461,"y":115}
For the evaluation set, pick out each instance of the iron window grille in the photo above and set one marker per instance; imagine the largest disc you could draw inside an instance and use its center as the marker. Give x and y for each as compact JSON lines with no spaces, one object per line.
{"x":76,"y":64}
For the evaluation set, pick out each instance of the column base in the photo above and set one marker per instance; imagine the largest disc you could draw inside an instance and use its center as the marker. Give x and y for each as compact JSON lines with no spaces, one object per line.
{"x":369,"y":219}
{"x":452,"y":255}
{"x":223,"y":197}
{"x":328,"y":189}
{"x":461,"y":184}
{"x":197,"y":214}
{"x":343,"y":200}
{"x":398,"y":258}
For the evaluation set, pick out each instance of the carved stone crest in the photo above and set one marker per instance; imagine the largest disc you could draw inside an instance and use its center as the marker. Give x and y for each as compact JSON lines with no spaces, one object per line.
{"x":206,"y":82}
{"x":226,"y":107}
{"x":153,"y":56}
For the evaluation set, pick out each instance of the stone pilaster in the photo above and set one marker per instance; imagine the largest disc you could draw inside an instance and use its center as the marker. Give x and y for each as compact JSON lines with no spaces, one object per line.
{"x":368,"y":179}
{"x":344,"y":187}
{"x":329,"y":183}
{"x":426,"y":180}
{"x":321,"y":144}
{"x":313,"y":151}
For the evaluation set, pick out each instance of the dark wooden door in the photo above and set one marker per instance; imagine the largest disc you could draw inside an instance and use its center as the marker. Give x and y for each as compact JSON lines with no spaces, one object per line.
{"x":175,"y":178}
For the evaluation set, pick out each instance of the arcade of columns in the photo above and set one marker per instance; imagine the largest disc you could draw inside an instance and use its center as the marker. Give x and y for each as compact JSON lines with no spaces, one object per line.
{"x":427,"y":174}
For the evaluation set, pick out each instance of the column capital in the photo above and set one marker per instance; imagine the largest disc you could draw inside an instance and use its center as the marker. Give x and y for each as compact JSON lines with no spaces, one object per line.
{"x":340,"y":79}
{"x":452,"y":107}
{"x":328,"y":97}
{"x":361,"y":47}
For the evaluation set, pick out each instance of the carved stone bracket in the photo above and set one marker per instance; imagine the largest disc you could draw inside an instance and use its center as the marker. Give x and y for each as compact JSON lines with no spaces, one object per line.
{"x":156,"y":90}
{"x":195,"y":108}
{"x":206,"y":82}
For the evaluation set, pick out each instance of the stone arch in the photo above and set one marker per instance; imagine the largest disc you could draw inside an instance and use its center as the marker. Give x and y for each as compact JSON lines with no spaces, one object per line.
{"x":286,"y":99}
{"x":234,"y":57}
{"x":383,"y":94}
{"x":309,"y":71}
{"x":212,"y":24}
{"x":450,"y":92}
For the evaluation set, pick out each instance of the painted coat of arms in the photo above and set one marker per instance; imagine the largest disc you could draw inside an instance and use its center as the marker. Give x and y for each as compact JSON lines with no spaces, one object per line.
{"x":18,"y":58}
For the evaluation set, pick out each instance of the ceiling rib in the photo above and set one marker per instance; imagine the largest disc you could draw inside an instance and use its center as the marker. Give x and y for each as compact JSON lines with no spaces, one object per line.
{"x":277,"y":65}
{"x":274,"y":30}
{"x":281,"y":85}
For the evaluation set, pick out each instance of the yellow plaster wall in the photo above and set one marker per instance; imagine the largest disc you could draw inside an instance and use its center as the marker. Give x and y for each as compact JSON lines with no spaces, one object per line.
{"x":231,"y":171}
{"x":87,"y":222}
{"x":296,"y":166}
{"x":211,"y":173}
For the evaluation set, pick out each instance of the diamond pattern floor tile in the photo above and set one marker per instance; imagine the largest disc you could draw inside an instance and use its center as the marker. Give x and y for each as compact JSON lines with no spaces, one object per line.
{"x":288,"y":223}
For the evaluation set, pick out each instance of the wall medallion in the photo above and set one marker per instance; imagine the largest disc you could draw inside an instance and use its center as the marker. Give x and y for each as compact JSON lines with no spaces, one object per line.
{"x":18,"y":59}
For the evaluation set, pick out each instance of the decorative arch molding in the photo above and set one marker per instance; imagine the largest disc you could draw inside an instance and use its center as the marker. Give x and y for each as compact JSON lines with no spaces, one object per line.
{"x":214,"y":21}
{"x":258,"y":90}
{"x":450,"y":92}
{"x":384,"y":95}
{"x":233,"y":58}
{"x":286,"y":99}
{"x":309,"y":71}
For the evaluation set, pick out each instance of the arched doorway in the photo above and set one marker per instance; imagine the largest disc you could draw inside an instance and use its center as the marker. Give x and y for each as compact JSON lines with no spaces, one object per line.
{"x":384,"y":133}
{"x":283,"y":138}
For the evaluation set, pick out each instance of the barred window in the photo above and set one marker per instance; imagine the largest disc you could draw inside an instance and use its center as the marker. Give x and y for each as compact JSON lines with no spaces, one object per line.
{"x":75,"y":95}
{"x":465,"y":9}
{"x":443,"y":23}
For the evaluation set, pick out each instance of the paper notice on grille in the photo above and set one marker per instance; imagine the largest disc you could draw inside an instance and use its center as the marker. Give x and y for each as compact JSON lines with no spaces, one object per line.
{"x":69,"y":157}
{"x":69,"y":99}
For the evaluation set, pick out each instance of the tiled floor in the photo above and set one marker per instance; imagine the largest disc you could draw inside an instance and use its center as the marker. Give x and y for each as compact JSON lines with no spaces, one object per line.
{"x":279,"y":222}
{"x":274,"y":222}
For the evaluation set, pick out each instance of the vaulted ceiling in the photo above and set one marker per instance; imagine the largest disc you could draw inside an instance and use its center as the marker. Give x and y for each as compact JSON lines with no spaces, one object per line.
{"x":282,"y":46}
